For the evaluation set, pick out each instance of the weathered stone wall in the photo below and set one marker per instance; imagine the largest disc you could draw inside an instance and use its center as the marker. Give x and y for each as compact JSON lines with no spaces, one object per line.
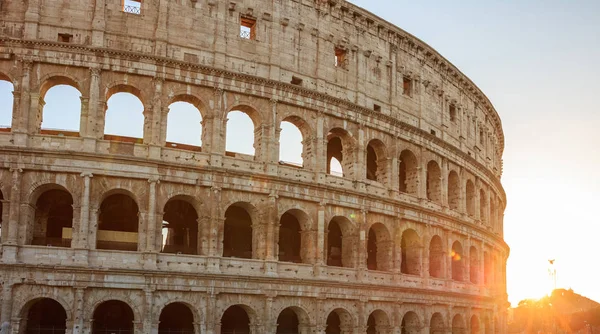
{"x":191,"y":51}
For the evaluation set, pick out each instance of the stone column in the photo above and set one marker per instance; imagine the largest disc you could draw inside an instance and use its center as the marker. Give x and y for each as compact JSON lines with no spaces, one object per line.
{"x":98,"y":23}
{"x":93,"y":232}
{"x":5,"y":214}
{"x":422,"y":171}
{"x":148,"y":319}
{"x":7,"y":300}
{"x":444,"y":183}
{"x":481,"y":276}
{"x":320,"y":143}
{"x":320,"y":249}
{"x":21,"y":115}
{"x":84,"y":220}
{"x":78,"y":314}
{"x":153,"y":119}
{"x":272,"y":221}
{"x":218,"y":130}
{"x":151,"y":245}
{"x":466,"y":258}
{"x":96,"y":110}
{"x":216,"y":223}
{"x":9,"y":250}
{"x":448,"y":237}
{"x":270,"y":320}
{"x":362,"y":241}
{"x":212,"y":322}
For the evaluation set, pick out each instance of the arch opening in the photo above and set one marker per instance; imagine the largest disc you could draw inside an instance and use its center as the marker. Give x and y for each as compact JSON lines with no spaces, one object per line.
{"x":379,"y":248}
{"x":235,"y":320}
{"x":176,"y":318}
{"x":436,"y":257}
{"x":124,"y":116}
{"x":436,"y":325}
{"x":458,"y":325}
{"x":339,"y":243}
{"x":411,"y":253}
{"x":291,"y":147}
{"x":453,"y":191}
{"x":470,"y":197}
{"x":482,"y":206}
{"x":378,"y":322}
{"x":288,"y":322}
{"x":475,"y":327}
{"x":184,"y":126}
{"x":290,"y":238}
{"x":410,"y":323}
{"x":237,"y":233}
{"x":179,"y":228}
{"x":376,"y":161}
{"x":487,"y":268}
{"x":457,"y":262}
{"x":53,"y":220}
{"x":408,"y":173}
{"x":118,"y":223}
{"x":6,"y":103}
{"x":113,"y":316}
{"x":61,"y":110}
{"x":240,"y":133}
{"x":45,"y":315}
{"x":339,"y":150}
{"x":434,"y":182}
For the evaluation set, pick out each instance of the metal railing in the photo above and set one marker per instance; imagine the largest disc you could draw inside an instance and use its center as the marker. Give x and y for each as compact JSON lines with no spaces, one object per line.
{"x":131,"y":9}
{"x":246,"y":33}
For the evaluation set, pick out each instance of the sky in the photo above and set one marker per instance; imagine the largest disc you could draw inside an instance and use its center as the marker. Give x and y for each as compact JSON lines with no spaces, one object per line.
{"x":539,"y":64}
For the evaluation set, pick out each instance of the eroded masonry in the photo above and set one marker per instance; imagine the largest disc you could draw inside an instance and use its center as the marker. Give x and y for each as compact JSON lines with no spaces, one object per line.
{"x":390,"y":221}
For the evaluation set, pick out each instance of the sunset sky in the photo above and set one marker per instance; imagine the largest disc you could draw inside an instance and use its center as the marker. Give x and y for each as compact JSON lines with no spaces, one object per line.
{"x":539,"y":64}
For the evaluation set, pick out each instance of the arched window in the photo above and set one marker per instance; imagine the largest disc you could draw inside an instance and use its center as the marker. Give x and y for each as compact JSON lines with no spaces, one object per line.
{"x":453,"y":191}
{"x":483,"y":206}
{"x":291,"y":148}
{"x":240,"y":133}
{"x":338,"y":321}
{"x":290,"y":238}
{"x":113,"y":316}
{"x":475,"y":325}
{"x":180,"y":228}
{"x":6,"y":102}
{"x":339,"y":152}
{"x":436,"y":257}
{"x":473,"y":265}
{"x":288,"y":322}
{"x":378,"y":322}
{"x":411,"y":253}
{"x":176,"y":318}
{"x":45,"y":314}
{"x":62,"y":110}
{"x":436,"y":326}
{"x":458,"y":325}
{"x":410,"y":323}
{"x":124,"y":120}
{"x":470,"y":192}
{"x":184,"y":125}
{"x":487,"y":268}
{"x":434,"y":182}
{"x":118,"y":223}
{"x":235,"y":320}
{"x":237,"y":234}
{"x":457,"y":261}
{"x":340,"y":243}
{"x":379,"y":248}
{"x":376,"y":161}
{"x":408,"y":173}
{"x":53,"y":219}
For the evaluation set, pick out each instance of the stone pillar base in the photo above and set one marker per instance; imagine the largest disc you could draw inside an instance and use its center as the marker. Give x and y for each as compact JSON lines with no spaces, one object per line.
{"x":9,"y":253}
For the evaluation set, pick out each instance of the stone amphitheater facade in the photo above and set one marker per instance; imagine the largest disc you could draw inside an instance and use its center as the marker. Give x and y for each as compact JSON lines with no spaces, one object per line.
{"x":408,"y":240}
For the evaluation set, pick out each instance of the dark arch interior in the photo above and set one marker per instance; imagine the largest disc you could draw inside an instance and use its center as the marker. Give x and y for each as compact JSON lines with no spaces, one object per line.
{"x":54,"y":211}
{"x":237,"y":240}
{"x":118,"y":213}
{"x":235,"y":321}
{"x":287,"y":322}
{"x":372,"y":250}
{"x":113,"y":316}
{"x":180,"y":223}
{"x":46,"y":316}
{"x":371,"y":163}
{"x":289,"y":239}
{"x":333,"y":324}
{"x":334,"y":150}
{"x":436,"y":256}
{"x":457,"y":262}
{"x":334,"y":245}
{"x":176,"y":318}
{"x":371,"y":325}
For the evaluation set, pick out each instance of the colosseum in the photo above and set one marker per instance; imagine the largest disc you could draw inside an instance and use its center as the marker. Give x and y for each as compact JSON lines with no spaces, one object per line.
{"x":106,"y":233}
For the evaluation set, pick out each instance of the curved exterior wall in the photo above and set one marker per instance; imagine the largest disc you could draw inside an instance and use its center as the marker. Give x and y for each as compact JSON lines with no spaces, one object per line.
{"x":192,"y":51}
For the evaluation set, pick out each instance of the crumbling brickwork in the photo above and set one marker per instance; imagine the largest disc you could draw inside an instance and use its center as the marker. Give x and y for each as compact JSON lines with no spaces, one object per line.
{"x":143,"y":235}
